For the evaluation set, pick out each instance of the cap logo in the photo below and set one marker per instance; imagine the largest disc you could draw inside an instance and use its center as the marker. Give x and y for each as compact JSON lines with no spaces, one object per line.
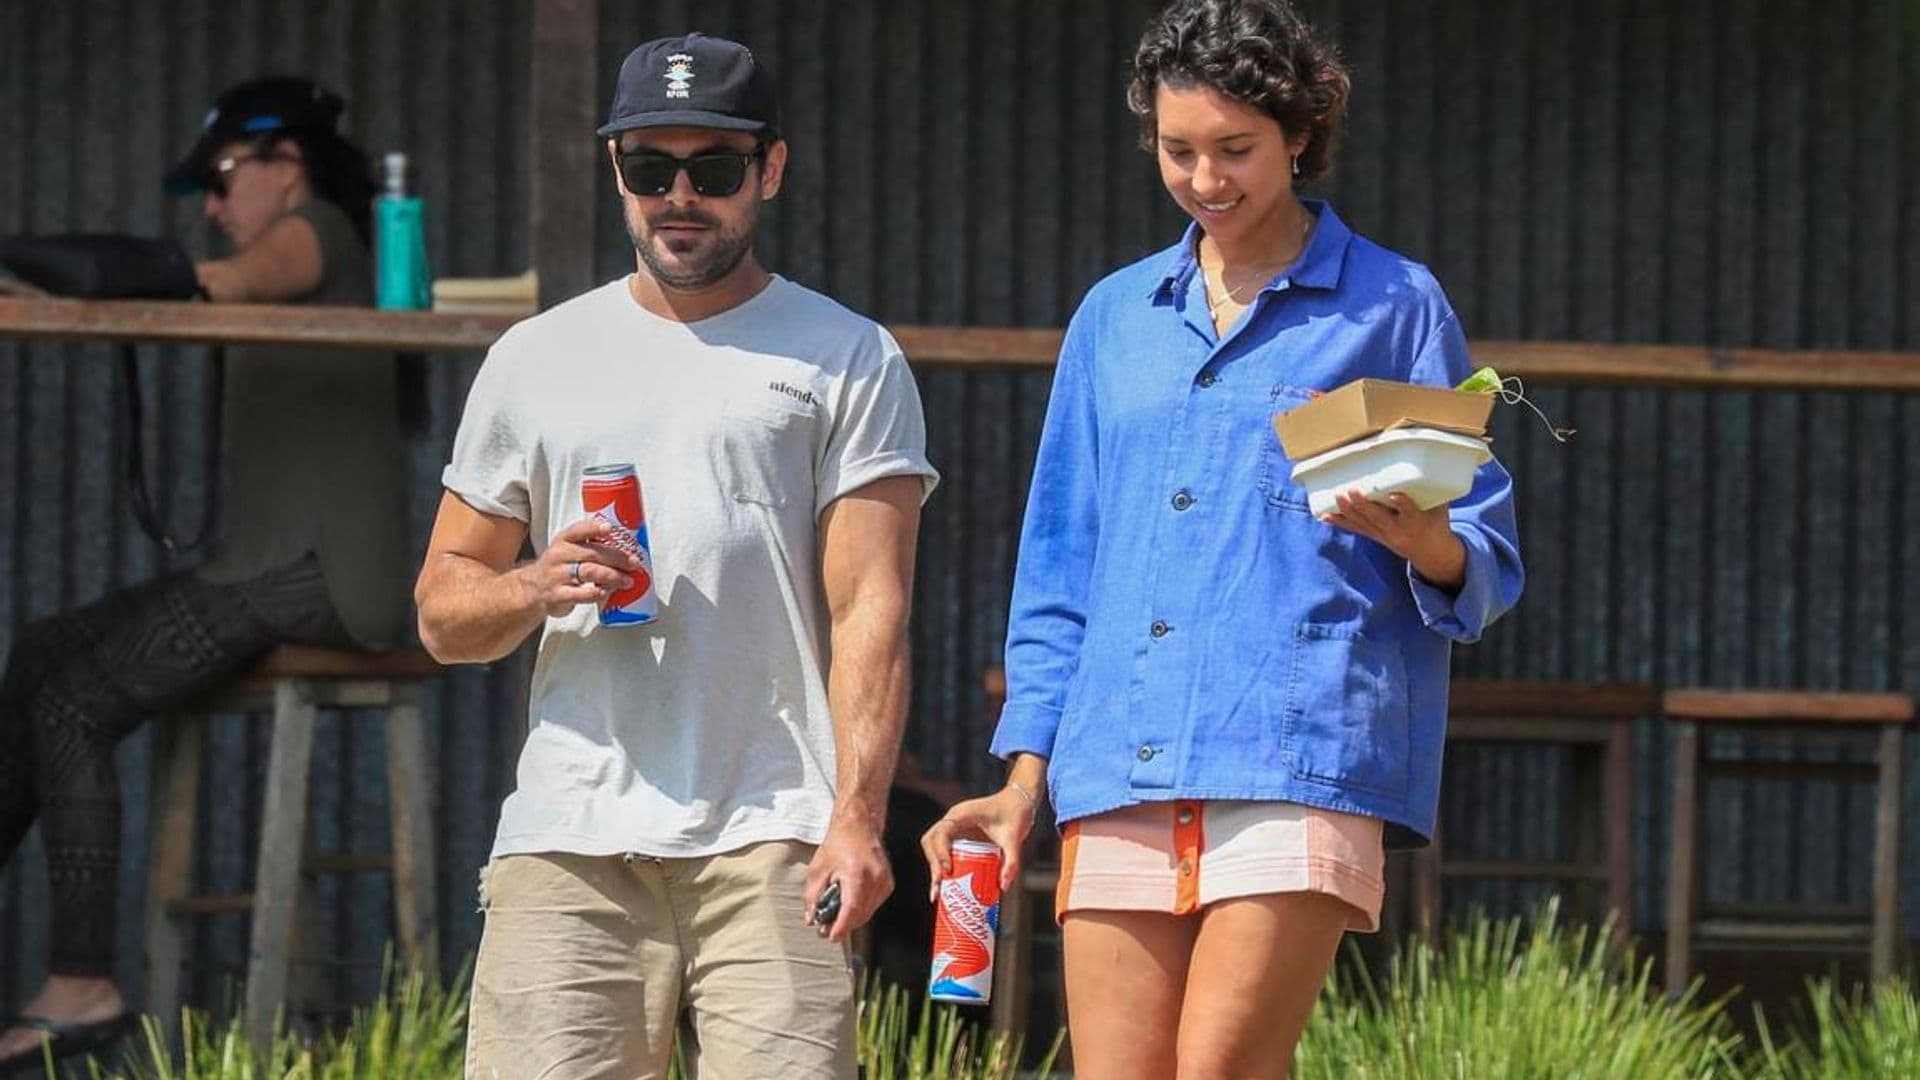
{"x":679,"y":75}
{"x":213,"y":117}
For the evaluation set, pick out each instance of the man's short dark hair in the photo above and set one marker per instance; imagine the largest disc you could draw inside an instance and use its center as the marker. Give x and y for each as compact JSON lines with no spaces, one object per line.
{"x":1261,"y":53}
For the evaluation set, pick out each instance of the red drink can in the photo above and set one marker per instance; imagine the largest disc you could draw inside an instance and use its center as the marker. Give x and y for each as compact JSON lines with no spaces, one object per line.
{"x":612,"y":494}
{"x":966,"y":925}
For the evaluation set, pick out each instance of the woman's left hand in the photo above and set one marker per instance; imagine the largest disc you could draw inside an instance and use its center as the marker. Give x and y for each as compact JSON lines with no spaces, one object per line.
{"x":1422,"y":537}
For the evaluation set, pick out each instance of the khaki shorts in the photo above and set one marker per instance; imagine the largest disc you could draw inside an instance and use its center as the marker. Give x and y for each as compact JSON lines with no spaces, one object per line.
{"x":589,"y":964}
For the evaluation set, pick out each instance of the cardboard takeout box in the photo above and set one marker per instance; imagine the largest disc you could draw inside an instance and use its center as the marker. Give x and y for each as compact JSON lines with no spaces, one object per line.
{"x":1367,"y":407}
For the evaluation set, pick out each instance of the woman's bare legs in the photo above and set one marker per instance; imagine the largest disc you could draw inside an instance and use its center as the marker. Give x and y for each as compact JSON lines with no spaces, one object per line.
{"x":1257,"y":966}
{"x":1126,"y":976}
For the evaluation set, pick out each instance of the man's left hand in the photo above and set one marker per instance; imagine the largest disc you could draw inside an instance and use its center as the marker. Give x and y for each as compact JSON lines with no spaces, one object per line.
{"x":1422,"y":537}
{"x":852,"y":855}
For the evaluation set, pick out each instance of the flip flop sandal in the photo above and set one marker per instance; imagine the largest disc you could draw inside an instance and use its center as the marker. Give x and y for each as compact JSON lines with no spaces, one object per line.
{"x":64,"y":1040}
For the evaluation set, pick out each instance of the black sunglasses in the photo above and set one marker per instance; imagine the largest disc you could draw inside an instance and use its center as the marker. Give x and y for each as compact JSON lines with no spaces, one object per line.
{"x":221,"y":173}
{"x":714,"y":173}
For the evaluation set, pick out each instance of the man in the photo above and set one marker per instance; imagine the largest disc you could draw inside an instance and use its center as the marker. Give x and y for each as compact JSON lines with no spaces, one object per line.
{"x":691,"y":786}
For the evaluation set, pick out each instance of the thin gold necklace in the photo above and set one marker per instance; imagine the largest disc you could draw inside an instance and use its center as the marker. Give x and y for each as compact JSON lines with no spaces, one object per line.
{"x":1263,"y":274}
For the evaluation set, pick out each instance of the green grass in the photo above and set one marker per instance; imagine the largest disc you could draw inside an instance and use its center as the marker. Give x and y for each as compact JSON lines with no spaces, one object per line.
{"x":936,"y":1042}
{"x":416,"y":1030}
{"x":1517,"y":998}
{"x":1847,"y":1038}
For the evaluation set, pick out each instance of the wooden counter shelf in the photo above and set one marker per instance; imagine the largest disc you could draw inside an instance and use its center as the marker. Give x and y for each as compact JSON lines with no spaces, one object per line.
{"x":1540,"y":363}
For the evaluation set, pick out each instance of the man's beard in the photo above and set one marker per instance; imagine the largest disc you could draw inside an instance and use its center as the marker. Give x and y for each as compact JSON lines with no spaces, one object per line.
{"x":719,"y":255}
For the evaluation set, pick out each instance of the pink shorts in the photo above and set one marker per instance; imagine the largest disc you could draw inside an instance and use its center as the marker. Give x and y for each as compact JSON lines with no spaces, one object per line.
{"x":1180,"y":856}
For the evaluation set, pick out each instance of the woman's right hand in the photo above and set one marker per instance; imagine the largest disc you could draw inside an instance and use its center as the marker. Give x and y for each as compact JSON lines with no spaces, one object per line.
{"x":1003,"y":819}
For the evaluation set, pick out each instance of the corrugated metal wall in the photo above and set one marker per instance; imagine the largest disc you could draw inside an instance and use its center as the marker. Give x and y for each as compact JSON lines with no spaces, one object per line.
{"x":1731,"y":173}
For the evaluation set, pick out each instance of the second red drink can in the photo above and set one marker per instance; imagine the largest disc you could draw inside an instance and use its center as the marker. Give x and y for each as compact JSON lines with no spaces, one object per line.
{"x":966,"y":925}
{"x":612,"y":494}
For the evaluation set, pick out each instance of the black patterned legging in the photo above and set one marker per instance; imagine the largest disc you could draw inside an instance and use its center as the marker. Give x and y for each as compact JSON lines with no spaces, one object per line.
{"x":78,"y":682}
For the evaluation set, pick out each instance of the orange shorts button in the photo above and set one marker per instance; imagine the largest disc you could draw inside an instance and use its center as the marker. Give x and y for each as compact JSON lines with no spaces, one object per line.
{"x":1186,"y":867}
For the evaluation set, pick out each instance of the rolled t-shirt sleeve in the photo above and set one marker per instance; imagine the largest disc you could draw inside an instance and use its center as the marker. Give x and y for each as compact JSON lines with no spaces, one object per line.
{"x":879,"y":429}
{"x":490,"y":452}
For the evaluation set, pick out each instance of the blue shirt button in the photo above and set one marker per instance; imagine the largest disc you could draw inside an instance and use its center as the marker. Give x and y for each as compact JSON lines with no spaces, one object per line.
{"x":1182,"y":500}
{"x":1159,"y":629}
{"x":1146,"y":753}
{"x":1207,"y":380}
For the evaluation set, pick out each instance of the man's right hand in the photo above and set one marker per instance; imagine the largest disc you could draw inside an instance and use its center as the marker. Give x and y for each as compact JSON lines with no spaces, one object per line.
{"x":576,"y":568}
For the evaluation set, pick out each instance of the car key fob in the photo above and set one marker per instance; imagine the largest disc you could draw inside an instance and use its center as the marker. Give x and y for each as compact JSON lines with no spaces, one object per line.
{"x":827,"y":907}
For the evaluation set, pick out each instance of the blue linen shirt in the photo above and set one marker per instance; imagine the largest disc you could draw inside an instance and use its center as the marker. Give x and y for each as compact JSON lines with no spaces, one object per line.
{"x":1181,"y":626}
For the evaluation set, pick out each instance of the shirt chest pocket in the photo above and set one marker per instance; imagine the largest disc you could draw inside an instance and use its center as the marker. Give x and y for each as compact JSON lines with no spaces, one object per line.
{"x":765,"y":450}
{"x":1347,"y":718}
{"x":1276,"y":469}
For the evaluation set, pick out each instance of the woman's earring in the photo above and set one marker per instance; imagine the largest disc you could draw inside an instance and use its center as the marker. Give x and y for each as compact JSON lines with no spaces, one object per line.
{"x":1296,"y":164}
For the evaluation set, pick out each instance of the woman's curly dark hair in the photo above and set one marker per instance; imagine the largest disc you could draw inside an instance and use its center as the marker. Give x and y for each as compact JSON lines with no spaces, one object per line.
{"x":1257,"y":52}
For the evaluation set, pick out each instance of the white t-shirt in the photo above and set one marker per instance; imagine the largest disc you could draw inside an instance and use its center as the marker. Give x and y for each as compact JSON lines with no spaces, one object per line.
{"x":707,"y":729}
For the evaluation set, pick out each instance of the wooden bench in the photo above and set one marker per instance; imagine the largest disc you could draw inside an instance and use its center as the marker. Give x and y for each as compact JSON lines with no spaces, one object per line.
{"x":1877,"y":719}
{"x":289,"y":685}
{"x":1594,"y":722}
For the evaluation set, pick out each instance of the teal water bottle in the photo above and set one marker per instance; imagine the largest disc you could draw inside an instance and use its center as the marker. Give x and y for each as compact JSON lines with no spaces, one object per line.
{"x":399,"y":242}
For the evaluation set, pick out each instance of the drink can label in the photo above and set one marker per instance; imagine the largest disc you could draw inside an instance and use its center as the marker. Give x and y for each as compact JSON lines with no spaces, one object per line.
{"x":966,"y":926}
{"x":612,"y":494}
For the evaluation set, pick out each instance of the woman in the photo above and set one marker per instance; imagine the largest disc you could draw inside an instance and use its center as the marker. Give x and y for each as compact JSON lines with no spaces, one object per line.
{"x":313,"y":548}
{"x":1233,"y":705}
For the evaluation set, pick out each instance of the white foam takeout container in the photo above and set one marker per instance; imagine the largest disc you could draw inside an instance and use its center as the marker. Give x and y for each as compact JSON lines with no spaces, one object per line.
{"x":1429,"y":466}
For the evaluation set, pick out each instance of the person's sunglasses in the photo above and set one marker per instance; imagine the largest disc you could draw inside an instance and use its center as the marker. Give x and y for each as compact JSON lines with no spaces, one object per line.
{"x":715,"y":174}
{"x":221,"y":174}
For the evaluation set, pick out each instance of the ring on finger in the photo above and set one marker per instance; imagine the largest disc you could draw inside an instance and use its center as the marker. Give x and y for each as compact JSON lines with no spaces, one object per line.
{"x":573,"y":571}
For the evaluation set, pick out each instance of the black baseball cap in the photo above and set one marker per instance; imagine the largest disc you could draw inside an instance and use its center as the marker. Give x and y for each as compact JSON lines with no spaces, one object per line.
{"x":694,"y":81}
{"x":255,"y":109}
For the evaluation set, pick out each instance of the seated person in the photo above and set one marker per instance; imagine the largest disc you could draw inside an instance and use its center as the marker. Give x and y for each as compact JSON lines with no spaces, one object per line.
{"x":313,"y":548}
